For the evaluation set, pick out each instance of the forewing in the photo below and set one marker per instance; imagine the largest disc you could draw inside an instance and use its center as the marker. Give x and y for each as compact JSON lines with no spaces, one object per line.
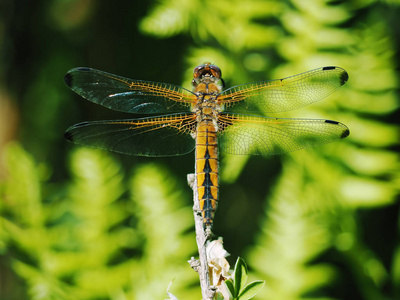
{"x":156,"y":136}
{"x":284,"y":94}
{"x":127,"y":95}
{"x":244,"y":134}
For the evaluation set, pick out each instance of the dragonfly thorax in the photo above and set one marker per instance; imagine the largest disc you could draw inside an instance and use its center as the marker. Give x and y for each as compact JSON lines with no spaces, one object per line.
{"x":207,"y":109}
{"x":205,"y":88}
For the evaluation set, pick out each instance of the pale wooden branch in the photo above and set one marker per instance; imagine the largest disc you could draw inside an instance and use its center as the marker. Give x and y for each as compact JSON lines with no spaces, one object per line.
{"x":201,"y":265}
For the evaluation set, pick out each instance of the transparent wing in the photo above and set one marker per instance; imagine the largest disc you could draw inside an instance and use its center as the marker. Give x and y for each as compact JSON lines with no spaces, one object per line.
{"x":284,"y":94}
{"x":127,"y":95}
{"x":156,"y":136}
{"x":244,"y":134}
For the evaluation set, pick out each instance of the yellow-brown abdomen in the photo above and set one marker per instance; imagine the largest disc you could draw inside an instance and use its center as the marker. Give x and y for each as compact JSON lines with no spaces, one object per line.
{"x":207,"y":170}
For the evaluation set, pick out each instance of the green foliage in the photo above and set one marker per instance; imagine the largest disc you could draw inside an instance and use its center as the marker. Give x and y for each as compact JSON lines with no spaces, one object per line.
{"x":237,"y":285}
{"x":232,"y":23}
{"x":291,"y":239}
{"x":88,"y":240}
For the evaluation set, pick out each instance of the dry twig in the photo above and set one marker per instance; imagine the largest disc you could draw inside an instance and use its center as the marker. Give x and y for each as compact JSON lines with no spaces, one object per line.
{"x":201,"y":265}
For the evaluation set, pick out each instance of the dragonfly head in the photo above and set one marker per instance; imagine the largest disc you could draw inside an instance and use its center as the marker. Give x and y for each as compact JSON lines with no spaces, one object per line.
{"x":206,"y":73}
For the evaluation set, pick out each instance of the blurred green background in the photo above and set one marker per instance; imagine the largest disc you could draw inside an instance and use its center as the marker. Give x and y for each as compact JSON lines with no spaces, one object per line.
{"x":78,"y":223}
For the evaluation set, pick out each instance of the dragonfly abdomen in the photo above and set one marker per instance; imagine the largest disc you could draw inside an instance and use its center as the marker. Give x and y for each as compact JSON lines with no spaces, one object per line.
{"x":207,"y":170}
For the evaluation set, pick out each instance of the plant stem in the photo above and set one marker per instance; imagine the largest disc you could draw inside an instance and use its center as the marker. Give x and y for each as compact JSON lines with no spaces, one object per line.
{"x":201,"y":265}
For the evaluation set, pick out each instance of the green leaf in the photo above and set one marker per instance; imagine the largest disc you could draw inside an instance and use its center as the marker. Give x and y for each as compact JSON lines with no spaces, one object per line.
{"x":229,"y":284}
{"x":240,"y":277}
{"x":251,"y":289}
{"x":224,"y":292}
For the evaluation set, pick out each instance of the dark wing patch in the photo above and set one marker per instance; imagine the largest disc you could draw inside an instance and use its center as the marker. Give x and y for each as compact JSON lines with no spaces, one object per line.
{"x":127,"y":95}
{"x":169,"y":135}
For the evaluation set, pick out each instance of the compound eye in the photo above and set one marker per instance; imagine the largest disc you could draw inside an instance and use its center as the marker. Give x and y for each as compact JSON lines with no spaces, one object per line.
{"x":197,"y":72}
{"x":215,"y":71}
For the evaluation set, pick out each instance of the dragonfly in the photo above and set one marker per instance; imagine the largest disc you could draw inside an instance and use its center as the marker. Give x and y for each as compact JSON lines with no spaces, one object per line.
{"x":207,"y":119}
